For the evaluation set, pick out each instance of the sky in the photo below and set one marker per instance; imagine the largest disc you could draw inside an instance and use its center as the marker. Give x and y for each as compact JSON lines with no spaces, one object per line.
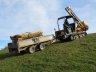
{"x":19,"y":16}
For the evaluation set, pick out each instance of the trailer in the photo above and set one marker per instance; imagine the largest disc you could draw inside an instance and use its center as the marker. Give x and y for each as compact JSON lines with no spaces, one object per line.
{"x":31,"y":44}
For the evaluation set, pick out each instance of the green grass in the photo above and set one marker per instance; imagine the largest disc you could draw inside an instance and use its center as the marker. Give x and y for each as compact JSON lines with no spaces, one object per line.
{"x":74,"y":56}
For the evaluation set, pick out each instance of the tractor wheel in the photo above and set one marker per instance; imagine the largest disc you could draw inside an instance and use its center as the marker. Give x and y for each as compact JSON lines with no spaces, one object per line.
{"x":80,"y":35}
{"x":83,"y":35}
{"x":71,"y":38}
{"x":77,"y":37}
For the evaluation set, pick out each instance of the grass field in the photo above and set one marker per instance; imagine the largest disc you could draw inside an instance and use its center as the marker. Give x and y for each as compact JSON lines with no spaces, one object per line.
{"x":74,"y":56}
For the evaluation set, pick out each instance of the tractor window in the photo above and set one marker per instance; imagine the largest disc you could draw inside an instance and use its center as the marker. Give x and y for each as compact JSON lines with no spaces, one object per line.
{"x":70,"y":20}
{"x":61,"y":22}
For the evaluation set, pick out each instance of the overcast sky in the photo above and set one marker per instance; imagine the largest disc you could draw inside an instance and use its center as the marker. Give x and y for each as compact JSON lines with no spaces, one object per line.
{"x":19,"y":16}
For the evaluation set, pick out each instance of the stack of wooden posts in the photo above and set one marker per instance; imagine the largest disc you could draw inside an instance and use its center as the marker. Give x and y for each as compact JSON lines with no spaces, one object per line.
{"x":26,"y":35}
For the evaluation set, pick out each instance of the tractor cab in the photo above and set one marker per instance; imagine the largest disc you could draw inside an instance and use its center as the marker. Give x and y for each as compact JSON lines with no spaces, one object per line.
{"x":72,"y":30}
{"x":68,"y":26}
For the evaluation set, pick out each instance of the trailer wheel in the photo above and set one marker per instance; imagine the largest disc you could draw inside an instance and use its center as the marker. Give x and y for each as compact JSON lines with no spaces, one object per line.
{"x":32,"y":49}
{"x":42,"y":46}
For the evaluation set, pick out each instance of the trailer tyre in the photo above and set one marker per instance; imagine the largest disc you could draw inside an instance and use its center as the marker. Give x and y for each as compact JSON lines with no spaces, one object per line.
{"x":42,"y":46}
{"x":32,"y":49}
